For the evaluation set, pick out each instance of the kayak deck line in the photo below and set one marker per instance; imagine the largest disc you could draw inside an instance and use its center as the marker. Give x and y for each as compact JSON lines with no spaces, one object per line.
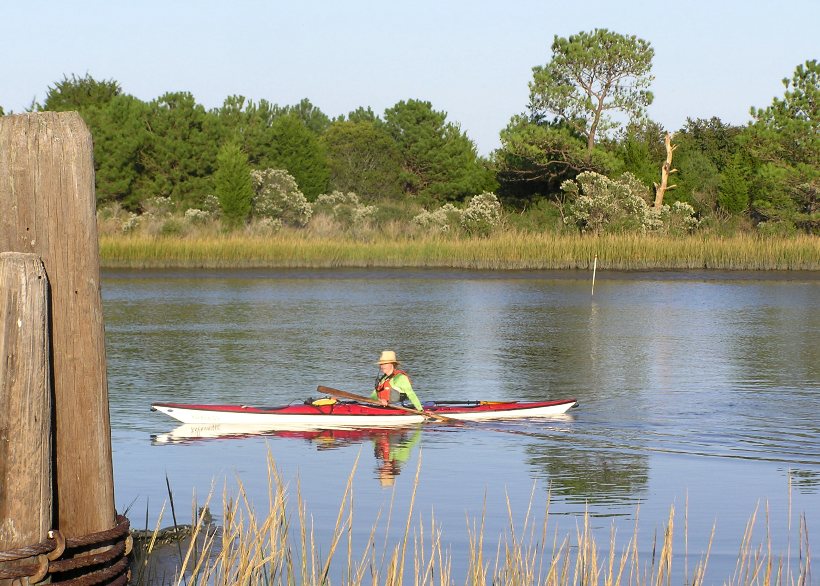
{"x":353,"y":414}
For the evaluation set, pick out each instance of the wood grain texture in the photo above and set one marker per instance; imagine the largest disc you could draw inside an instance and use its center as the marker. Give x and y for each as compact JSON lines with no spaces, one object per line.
{"x":47,"y":207}
{"x":25,"y":402}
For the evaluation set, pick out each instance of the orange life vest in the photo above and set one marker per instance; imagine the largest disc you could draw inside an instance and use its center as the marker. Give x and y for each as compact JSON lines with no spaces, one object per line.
{"x":383,"y":385}
{"x":382,"y":447}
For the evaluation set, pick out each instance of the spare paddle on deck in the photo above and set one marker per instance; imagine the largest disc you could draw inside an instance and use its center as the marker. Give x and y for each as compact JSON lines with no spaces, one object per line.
{"x":368,"y":400}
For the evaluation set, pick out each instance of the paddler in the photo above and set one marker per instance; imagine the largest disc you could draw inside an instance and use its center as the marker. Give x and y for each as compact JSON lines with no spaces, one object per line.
{"x":392,"y":384}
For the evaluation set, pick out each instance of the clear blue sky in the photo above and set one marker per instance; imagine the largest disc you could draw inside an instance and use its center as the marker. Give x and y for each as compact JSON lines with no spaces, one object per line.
{"x":470,"y":58}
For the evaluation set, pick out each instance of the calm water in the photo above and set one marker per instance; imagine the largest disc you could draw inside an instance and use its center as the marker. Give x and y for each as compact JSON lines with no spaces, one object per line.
{"x":697,"y":390}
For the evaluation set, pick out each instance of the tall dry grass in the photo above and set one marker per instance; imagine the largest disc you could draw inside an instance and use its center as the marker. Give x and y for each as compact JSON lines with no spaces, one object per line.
{"x":275,"y":548}
{"x":506,"y":250}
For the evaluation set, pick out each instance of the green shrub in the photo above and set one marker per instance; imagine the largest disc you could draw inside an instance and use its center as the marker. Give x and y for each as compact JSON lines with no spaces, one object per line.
{"x":542,"y":216}
{"x":389,"y":211}
{"x":171,"y":227}
{"x":777,"y":228}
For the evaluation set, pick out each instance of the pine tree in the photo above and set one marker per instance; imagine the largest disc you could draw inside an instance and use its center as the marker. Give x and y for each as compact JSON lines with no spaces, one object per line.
{"x":439,"y":162}
{"x":298,"y":150}
{"x":785,"y":140}
{"x":232,"y":181}
{"x":733,"y":194}
{"x":179,"y":155}
{"x":363,"y":158}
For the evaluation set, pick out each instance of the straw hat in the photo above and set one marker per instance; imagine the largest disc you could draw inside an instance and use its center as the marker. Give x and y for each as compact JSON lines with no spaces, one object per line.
{"x":387,"y":357}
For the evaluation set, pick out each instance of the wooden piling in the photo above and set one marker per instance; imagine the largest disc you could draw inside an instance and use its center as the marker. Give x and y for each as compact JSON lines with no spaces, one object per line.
{"x":47,"y":207}
{"x":25,"y":402}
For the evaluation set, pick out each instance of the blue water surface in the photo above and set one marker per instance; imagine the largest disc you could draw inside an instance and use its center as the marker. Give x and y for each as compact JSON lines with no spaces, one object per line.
{"x":698,"y":391}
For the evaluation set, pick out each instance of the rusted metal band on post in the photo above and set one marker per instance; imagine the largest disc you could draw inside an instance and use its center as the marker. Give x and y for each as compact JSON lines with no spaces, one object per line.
{"x":34,"y":572}
{"x":100,"y":538}
{"x":20,"y":553}
{"x":45,"y":551}
{"x":48,"y":552}
{"x":84,"y":561}
{"x":53,"y":547}
{"x":118,"y":571}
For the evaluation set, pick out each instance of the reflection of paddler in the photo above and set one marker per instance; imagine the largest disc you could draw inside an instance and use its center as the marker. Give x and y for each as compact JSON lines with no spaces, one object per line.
{"x":391,"y":452}
{"x":387,"y":473}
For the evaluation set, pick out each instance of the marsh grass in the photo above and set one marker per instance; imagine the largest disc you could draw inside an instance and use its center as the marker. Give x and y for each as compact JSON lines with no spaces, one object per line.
{"x":504,"y":251}
{"x":275,"y":548}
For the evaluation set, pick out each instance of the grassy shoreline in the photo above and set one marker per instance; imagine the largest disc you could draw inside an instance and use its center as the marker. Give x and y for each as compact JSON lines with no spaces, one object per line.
{"x":508,"y":251}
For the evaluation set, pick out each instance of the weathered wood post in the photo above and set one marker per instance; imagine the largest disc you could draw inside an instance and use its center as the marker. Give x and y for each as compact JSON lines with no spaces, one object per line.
{"x":25,"y":402}
{"x":47,"y":207}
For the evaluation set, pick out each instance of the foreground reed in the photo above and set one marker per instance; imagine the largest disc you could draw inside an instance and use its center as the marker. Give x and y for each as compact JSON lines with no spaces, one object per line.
{"x":508,"y":250}
{"x":271,"y":549}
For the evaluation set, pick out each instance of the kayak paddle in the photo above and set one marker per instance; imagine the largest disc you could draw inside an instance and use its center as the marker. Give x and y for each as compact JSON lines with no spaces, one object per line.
{"x":368,"y":400}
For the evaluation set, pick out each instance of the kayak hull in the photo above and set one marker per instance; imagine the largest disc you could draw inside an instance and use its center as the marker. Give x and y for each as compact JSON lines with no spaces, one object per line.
{"x":353,"y":415}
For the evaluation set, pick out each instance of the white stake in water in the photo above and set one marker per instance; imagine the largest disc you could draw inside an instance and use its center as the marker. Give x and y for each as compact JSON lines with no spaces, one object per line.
{"x":594,"y":267}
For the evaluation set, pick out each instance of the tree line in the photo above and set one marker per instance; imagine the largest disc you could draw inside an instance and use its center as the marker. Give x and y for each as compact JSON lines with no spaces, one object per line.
{"x":586,"y":117}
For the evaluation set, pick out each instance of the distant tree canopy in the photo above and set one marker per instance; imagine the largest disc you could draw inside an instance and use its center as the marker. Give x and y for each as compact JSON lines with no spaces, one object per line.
{"x":80,"y":93}
{"x":640,"y":147}
{"x":705,"y":149}
{"x":439,"y":162}
{"x":767,"y":171}
{"x":363,"y":159}
{"x":120,"y":142}
{"x":313,"y":117}
{"x":536,"y":157}
{"x":118,"y":125}
{"x":361,"y":114}
{"x":585,"y":115}
{"x":785,"y":140}
{"x":179,"y":153}
{"x":169,"y":146}
{"x":297,"y":148}
{"x":248,"y":125}
{"x":590,"y":75}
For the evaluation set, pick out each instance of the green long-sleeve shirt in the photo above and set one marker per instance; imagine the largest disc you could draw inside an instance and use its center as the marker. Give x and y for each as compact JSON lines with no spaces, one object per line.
{"x":401,"y":383}
{"x":400,"y":451}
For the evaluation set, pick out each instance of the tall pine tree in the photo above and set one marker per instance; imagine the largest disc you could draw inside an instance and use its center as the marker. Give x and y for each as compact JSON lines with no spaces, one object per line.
{"x":439,"y":161}
{"x":297,"y":150}
{"x":234,"y":188}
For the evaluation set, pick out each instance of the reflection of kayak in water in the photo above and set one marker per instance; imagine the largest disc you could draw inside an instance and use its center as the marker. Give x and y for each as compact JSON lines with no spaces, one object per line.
{"x":391,"y":446}
{"x":188,"y":432}
{"x":356,"y":415}
{"x":324,"y":438}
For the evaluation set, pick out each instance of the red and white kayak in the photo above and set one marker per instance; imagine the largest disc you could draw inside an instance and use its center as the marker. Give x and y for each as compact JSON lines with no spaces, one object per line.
{"x":353,"y":415}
